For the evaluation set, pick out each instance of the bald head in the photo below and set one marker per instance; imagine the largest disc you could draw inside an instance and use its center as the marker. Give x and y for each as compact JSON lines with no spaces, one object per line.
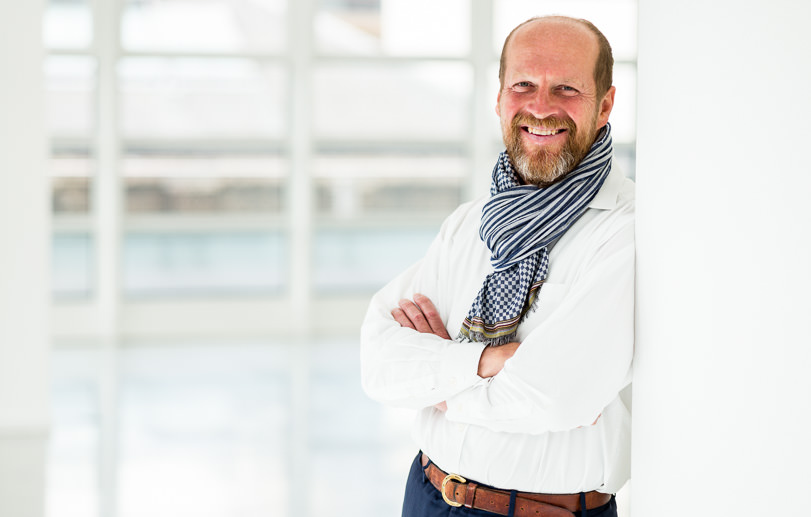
{"x":604,"y":63}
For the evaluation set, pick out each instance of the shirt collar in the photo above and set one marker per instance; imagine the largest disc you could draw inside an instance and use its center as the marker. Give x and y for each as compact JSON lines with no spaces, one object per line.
{"x":606,"y":197}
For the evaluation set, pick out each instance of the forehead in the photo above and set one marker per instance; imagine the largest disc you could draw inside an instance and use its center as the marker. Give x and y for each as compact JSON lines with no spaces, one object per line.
{"x":561,"y":46}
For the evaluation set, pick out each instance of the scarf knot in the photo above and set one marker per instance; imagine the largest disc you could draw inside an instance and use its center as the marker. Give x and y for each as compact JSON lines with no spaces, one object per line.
{"x":519,"y":223}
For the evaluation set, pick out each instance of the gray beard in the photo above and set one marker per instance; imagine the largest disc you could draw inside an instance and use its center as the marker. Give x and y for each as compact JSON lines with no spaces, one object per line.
{"x":545,"y":171}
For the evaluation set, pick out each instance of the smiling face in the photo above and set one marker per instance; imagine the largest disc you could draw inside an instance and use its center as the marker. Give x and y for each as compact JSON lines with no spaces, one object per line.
{"x":548,"y":104}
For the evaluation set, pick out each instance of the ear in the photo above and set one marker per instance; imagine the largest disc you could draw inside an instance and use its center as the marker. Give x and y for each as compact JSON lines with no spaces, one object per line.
{"x":498,"y":104}
{"x":606,"y":105}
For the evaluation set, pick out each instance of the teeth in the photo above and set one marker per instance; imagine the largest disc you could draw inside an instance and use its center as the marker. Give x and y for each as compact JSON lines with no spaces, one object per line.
{"x":543,"y":132}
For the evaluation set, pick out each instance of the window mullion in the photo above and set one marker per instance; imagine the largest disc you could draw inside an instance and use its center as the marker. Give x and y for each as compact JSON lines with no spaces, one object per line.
{"x":481,"y":57}
{"x":107,"y":237}
{"x":300,"y":237}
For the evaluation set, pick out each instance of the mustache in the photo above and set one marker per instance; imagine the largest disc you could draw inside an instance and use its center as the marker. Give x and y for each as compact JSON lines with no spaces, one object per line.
{"x":551,"y":122}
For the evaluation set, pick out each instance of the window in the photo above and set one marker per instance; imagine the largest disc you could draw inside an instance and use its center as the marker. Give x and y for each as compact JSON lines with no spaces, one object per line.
{"x":255,"y":169}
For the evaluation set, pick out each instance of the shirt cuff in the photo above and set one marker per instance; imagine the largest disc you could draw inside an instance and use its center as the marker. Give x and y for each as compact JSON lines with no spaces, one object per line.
{"x":460,"y":364}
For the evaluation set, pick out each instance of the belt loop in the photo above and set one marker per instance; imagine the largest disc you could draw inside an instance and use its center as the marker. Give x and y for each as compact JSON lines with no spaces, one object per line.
{"x":512,"y":503}
{"x":583,"y":511}
{"x":470,"y":494}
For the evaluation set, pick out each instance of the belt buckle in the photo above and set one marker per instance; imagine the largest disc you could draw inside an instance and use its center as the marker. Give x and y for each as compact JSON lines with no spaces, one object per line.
{"x":448,"y":478}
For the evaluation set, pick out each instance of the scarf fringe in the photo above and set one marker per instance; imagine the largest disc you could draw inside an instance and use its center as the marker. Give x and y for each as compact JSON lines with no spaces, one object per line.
{"x":469,"y":336}
{"x":499,"y":341}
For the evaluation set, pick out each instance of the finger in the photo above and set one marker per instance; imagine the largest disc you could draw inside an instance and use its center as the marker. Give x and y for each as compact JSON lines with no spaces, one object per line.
{"x":431,"y":315}
{"x":401,"y":318}
{"x":416,"y":316}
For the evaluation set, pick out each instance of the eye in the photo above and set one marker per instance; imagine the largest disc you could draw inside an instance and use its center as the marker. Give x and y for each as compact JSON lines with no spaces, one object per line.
{"x":567,"y":90}
{"x":522,"y":86}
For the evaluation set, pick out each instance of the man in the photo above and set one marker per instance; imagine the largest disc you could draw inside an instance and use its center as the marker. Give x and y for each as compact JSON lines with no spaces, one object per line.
{"x":514,"y":335}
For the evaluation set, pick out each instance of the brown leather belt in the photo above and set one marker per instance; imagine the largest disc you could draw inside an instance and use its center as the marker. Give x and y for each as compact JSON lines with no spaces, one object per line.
{"x":457,"y":491}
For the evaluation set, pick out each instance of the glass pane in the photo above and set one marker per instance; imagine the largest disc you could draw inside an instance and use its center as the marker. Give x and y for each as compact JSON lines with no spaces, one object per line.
{"x":423,"y":101}
{"x":69,"y":83}
{"x":70,"y":183}
{"x":393,"y":27}
{"x":623,"y":115}
{"x":204,"y":430}
{"x":203,"y":195}
{"x":202,"y":98}
{"x":204,"y":184}
{"x":71,"y":265}
{"x":191,"y":263}
{"x":72,"y":481}
{"x":70,"y":195}
{"x":375,"y":439}
{"x":365,"y":259}
{"x":218,"y":25}
{"x":625,"y":159}
{"x":67,"y":24}
{"x":357,"y":185}
{"x":615,"y":18}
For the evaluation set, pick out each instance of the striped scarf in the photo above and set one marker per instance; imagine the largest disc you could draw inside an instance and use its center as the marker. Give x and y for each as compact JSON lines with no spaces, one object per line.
{"x":519,"y":223}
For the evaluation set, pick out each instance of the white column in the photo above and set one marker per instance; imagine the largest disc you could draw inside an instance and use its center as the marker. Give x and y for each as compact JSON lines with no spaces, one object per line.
{"x":482,"y":103}
{"x":107,"y":219}
{"x":300,"y":237}
{"x":722,"y":389}
{"x":24,"y":262}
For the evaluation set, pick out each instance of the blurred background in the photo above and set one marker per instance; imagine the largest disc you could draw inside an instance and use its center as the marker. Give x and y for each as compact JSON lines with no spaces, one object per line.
{"x":231,"y":180}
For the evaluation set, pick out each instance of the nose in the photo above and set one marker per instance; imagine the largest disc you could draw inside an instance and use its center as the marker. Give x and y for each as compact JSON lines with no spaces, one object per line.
{"x":542,"y":104}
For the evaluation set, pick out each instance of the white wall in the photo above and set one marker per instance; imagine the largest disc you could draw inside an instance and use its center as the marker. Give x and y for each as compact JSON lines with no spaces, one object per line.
{"x":24,"y":237}
{"x":722,"y":387}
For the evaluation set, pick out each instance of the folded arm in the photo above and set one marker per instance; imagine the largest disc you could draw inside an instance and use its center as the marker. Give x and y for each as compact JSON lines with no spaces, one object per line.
{"x":421,"y":315}
{"x":416,"y":364}
{"x":569,"y":368}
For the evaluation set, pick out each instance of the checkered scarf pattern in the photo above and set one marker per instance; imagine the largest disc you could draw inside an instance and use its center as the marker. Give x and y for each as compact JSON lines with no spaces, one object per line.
{"x":518,"y":224}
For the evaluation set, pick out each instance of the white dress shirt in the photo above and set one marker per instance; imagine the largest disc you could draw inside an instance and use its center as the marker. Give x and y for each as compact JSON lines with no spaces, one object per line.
{"x":529,"y":427}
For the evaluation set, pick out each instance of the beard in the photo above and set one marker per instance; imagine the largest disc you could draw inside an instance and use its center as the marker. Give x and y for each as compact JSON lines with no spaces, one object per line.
{"x":542,"y":166}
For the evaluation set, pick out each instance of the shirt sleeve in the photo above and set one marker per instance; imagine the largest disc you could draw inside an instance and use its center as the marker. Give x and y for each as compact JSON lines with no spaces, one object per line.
{"x":574,"y":363}
{"x":402,"y":367}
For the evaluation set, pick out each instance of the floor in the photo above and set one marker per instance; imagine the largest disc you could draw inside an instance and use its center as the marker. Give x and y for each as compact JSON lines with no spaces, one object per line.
{"x":224,"y":431}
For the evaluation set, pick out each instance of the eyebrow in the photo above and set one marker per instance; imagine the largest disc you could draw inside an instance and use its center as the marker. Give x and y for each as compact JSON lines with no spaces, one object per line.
{"x":571,"y":81}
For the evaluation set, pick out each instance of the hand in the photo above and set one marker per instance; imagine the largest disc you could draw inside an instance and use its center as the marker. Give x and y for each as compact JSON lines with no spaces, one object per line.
{"x":420,"y":315}
{"x":493,"y":358}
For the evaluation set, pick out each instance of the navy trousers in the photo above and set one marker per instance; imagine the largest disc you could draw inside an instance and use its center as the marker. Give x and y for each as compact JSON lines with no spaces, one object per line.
{"x":422,"y":499}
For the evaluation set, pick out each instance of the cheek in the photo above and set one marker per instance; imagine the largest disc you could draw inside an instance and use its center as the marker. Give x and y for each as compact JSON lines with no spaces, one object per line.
{"x":584,"y":117}
{"x":509,"y":106}
{"x":505,"y":114}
